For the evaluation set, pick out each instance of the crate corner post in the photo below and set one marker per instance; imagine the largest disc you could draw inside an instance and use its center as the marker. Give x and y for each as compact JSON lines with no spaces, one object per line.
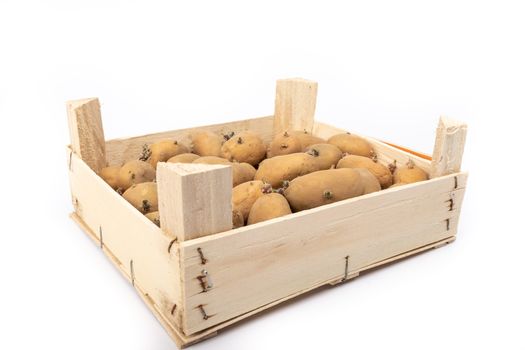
{"x":448,"y":147}
{"x":194,"y":199}
{"x":295,"y":101}
{"x":86,"y":132}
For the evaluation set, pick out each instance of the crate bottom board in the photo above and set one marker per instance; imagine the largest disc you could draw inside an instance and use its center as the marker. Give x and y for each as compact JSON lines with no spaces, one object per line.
{"x":183,"y":340}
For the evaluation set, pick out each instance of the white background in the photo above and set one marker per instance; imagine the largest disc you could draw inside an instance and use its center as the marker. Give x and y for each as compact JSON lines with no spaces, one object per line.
{"x":385,"y":69}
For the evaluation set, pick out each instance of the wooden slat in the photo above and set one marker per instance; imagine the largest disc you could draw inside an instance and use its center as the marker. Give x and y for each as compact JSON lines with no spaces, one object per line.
{"x":194,"y":199}
{"x":386,"y":154}
{"x":86,"y":132}
{"x":256,"y":265}
{"x":118,"y":151}
{"x":295,"y":101}
{"x":448,"y":147}
{"x":144,"y":253}
{"x":408,"y":150}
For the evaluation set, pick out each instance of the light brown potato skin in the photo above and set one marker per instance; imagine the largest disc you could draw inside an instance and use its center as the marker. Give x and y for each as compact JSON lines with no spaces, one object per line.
{"x":143,"y":197}
{"x":269,"y":206}
{"x":237,"y":219}
{"x":184,"y":158}
{"x":154,"y":217}
{"x":380,"y":171}
{"x":110,"y":175}
{"x":352,"y":144}
{"x":241,"y":172}
{"x":206,"y":143}
{"x":306,"y":138}
{"x":211,"y":160}
{"x":163,"y":150}
{"x":370,"y":182}
{"x":323,"y":187}
{"x":409,"y":173}
{"x":135,"y":172}
{"x":285,"y":168}
{"x":284,"y":143}
{"x":245,"y":147}
{"x":326,"y":155}
{"x":245,"y":194}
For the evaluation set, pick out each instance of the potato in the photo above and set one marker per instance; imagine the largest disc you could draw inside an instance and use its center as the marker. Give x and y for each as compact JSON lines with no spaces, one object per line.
{"x":380,"y":171}
{"x":183,"y":158}
{"x":206,"y":143}
{"x":409,"y":173}
{"x":352,"y":144}
{"x":326,"y":155}
{"x":269,"y":206}
{"x":306,"y":138}
{"x":154,"y":217}
{"x":277,"y":169}
{"x":241,"y":172}
{"x":162,"y":151}
{"x":325,"y":186}
{"x":110,"y":175}
{"x":282,"y":144}
{"x":245,"y":147}
{"x":143,"y":196}
{"x":135,"y":172}
{"x":211,"y":160}
{"x":245,"y":194}
{"x":370,"y":182}
{"x":237,"y":219}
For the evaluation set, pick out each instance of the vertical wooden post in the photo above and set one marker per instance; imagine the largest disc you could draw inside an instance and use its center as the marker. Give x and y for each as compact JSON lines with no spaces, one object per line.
{"x":448,"y":148}
{"x":294,"y":105}
{"x":86,"y":132}
{"x":194,"y":199}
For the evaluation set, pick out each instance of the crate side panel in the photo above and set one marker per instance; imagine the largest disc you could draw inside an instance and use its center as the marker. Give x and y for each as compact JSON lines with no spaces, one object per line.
{"x":386,"y":154}
{"x":260,"y":264}
{"x":140,"y":247}
{"x":120,"y":150}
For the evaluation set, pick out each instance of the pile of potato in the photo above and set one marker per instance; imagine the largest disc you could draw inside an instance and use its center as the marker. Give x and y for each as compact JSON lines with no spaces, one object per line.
{"x":296,"y":171}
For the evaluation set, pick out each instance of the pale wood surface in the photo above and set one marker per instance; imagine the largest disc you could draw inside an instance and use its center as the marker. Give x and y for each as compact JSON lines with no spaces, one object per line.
{"x":86,"y":132}
{"x":137,"y":245}
{"x":386,"y":154}
{"x":255,"y":265}
{"x":295,"y":101}
{"x":448,"y":147}
{"x":118,"y":151}
{"x":183,"y":340}
{"x":194,"y":199}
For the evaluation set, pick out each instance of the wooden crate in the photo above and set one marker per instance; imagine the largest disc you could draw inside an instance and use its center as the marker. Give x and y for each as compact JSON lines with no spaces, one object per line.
{"x":198,"y":276}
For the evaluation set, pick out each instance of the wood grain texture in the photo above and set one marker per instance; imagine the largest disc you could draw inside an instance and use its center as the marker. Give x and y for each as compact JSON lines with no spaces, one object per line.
{"x":194,"y":199}
{"x":386,"y":154}
{"x":255,"y":265}
{"x":184,"y":341}
{"x":119,"y":151}
{"x":146,"y":255}
{"x":295,"y":101}
{"x":448,"y":147}
{"x":86,"y":132}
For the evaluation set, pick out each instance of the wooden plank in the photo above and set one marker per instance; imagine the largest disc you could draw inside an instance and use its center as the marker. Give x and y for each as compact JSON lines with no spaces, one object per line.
{"x":86,"y":132}
{"x":448,"y":147}
{"x":178,"y":337}
{"x":145,"y":254}
{"x":295,"y":101}
{"x":183,"y":340}
{"x":408,"y":150}
{"x":194,"y":199}
{"x":119,"y":151}
{"x":386,"y":154}
{"x":258,"y":264}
